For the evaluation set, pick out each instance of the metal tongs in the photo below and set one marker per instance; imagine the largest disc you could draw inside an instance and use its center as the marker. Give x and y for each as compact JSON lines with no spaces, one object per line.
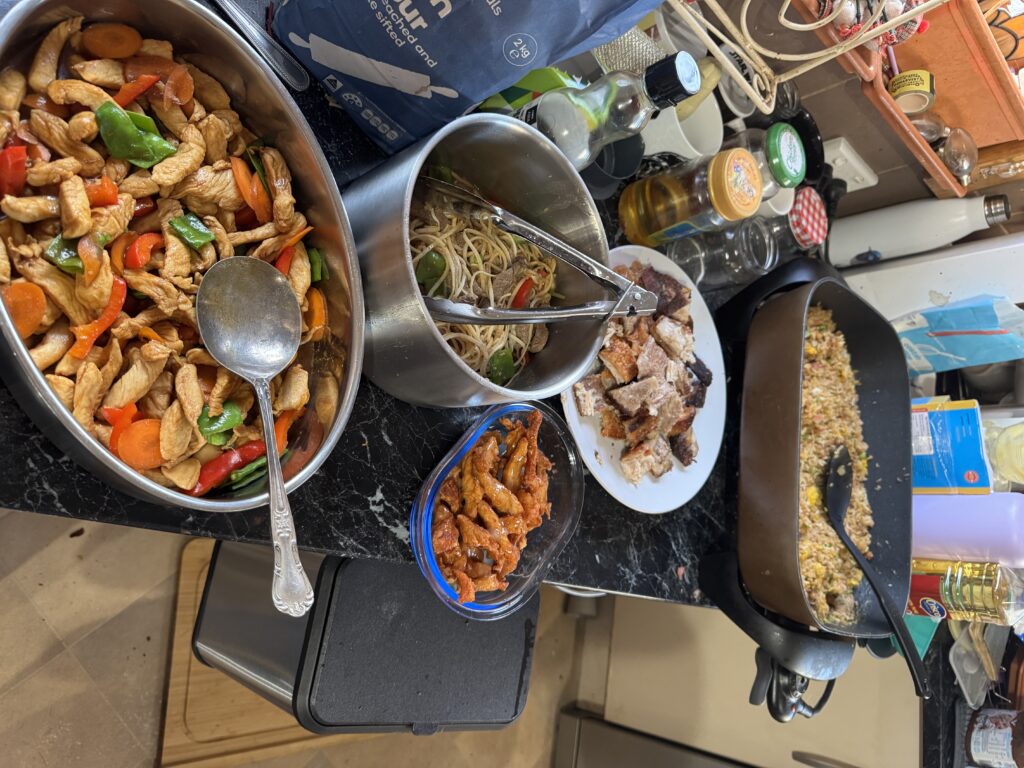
{"x":630,"y":299}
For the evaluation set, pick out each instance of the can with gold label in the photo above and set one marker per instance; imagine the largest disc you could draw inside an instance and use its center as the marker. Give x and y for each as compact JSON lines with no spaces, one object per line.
{"x":689,"y":199}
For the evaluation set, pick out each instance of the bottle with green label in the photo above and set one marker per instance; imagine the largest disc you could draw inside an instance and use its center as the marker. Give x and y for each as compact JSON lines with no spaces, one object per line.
{"x":685,"y":200}
{"x":581,"y":121}
{"x":779,"y":153}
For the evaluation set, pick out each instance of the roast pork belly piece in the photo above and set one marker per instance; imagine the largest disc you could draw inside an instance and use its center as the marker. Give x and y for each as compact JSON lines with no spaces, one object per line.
{"x":589,"y":393}
{"x":632,"y":397}
{"x":684,"y":447}
{"x":653,"y":456}
{"x":675,"y":338}
{"x":673,"y":296}
{"x":652,"y":360}
{"x":618,"y":358}
{"x":611,"y":424}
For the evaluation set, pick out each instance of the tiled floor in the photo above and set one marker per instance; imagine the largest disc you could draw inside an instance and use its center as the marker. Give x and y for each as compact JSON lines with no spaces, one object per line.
{"x":85,"y":619}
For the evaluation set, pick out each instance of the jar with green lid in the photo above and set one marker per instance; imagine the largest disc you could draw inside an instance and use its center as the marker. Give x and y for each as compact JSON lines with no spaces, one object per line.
{"x":779,"y":153}
{"x":683,"y":200}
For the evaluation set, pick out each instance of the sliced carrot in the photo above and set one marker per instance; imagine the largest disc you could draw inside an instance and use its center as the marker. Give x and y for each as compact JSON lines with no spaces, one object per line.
{"x":245,"y":218}
{"x":26,"y":304}
{"x":119,"y":419}
{"x":316,"y":315}
{"x":284,"y":261}
{"x":294,"y":239}
{"x":111,"y":41}
{"x":243,"y":179}
{"x":149,"y":333}
{"x":139,"y":445}
{"x":117,"y":249}
{"x":261,"y":200}
{"x":178,"y":87}
{"x":283,"y":423}
{"x":137,"y":66}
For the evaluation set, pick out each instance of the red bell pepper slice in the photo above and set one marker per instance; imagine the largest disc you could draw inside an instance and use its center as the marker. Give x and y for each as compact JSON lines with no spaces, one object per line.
{"x":131,"y":91}
{"x":284,"y":261}
{"x":13,"y":165}
{"x":216,"y":471}
{"x":141,"y":250}
{"x":119,"y":419}
{"x":519,"y":300}
{"x":86,"y":335}
{"x":101,"y":192}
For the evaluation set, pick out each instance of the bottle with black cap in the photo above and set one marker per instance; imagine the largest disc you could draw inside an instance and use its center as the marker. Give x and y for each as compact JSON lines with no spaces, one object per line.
{"x":581,"y":121}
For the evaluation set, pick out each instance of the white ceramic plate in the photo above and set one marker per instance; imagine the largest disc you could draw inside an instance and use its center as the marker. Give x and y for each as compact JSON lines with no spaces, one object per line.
{"x":601,"y":454}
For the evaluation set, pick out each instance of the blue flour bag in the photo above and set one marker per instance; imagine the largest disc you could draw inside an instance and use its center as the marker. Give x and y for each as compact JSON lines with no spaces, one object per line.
{"x":404,"y":68}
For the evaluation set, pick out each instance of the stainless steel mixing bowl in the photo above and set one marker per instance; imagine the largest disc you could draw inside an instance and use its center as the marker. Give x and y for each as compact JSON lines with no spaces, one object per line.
{"x":516,"y":167}
{"x":268,"y":110}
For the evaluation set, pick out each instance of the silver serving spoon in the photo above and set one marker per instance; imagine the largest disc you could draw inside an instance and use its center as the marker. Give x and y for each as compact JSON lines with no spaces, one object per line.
{"x":282,"y":62}
{"x":837,"y":498}
{"x":250,"y":321}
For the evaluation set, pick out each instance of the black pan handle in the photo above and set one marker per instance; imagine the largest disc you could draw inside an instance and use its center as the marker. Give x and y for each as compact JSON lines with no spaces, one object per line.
{"x":734,"y":317}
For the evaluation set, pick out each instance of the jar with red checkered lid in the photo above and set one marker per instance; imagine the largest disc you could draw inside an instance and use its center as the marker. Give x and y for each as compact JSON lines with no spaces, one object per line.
{"x":805,"y":226}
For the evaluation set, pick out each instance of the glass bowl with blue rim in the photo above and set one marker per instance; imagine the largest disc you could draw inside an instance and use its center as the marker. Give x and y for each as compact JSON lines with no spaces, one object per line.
{"x":544,"y":543}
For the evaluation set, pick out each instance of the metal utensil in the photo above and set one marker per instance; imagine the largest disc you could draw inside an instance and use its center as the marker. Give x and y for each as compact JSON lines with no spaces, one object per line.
{"x":282,"y":62}
{"x":629,"y":300}
{"x":250,"y":322}
{"x":837,"y":497}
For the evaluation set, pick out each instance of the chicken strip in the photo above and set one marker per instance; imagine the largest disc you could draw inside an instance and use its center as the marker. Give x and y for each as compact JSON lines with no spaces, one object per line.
{"x":75,"y":214}
{"x":257,"y":235}
{"x":12,"y":89}
{"x":41,"y":174}
{"x":185,"y":161}
{"x":216,"y":134}
{"x":106,"y":73}
{"x":155,"y":402}
{"x":60,"y":287}
{"x":139,"y":184}
{"x":112,"y":220}
{"x":64,"y":388}
{"x":68,"y":365}
{"x":53,"y":346}
{"x":33,"y":208}
{"x":5,"y":264}
{"x":12,"y":232}
{"x":111,"y":368}
{"x":210,"y":189}
{"x":160,"y":48}
{"x":78,"y":92}
{"x":203,"y":259}
{"x":116,"y":169}
{"x":242,"y":135}
{"x":270,"y":248}
{"x":175,"y":432}
{"x":176,"y":253}
{"x":279,"y":179}
{"x":199,"y":356}
{"x":172,"y":116}
{"x":222,"y":389}
{"x":83,"y":127}
{"x":44,"y":66}
{"x":163,"y":292}
{"x":294,"y":390}
{"x":189,"y":392}
{"x":184,"y":474}
{"x":225,"y":250}
{"x":87,"y":395}
{"x":147,"y":363}
{"x":55,"y":134}
{"x":299,"y":273}
{"x":95,"y":295}
{"x":208,"y":90}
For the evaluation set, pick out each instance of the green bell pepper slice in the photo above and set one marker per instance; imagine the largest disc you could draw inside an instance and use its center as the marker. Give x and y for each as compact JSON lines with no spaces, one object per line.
{"x":191,"y":230}
{"x":429,"y":268}
{"x":143,"y":122}
{"x":216,"y":429}
{"x":502,"y":367}
{"x":126,"y":141}
{"x":63,"y":254}
{"x":317,"y":265}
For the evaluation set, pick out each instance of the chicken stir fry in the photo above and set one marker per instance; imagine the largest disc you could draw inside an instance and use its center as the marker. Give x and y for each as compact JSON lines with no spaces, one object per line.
{"x":486,"y":506}
{"x":125,"y":174}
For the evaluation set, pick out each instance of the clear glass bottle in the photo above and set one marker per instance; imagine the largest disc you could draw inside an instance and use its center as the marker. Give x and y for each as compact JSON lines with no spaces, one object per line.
{"x":729,"y":257}
{"x":779,"y":154}
{"x":581,"y":121}
{"x":787,"y":105}
{"x":987,"y":592}
{"x":686,"y":200}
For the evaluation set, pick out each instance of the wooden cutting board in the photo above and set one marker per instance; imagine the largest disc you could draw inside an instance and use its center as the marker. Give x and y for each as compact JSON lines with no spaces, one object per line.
{"x":212,"y":721}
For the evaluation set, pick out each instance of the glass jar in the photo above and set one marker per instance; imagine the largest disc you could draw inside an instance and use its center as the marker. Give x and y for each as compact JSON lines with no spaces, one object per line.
{"x":803,"y":228}
{"x":787,"y":105}
{"x":682,"y":201}
{"x":728,"y":257}
{"x":779,"y":154}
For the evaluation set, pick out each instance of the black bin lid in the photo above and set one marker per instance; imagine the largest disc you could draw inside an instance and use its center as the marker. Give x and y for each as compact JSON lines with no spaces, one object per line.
{"x":383,"y":654}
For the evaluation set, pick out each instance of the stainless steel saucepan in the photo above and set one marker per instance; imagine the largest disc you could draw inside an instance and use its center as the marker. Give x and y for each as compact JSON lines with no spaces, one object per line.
{"x":515,"y":167}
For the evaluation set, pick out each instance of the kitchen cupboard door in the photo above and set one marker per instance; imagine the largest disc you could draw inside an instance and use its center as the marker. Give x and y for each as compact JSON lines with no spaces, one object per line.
{"x":684,"y":674}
